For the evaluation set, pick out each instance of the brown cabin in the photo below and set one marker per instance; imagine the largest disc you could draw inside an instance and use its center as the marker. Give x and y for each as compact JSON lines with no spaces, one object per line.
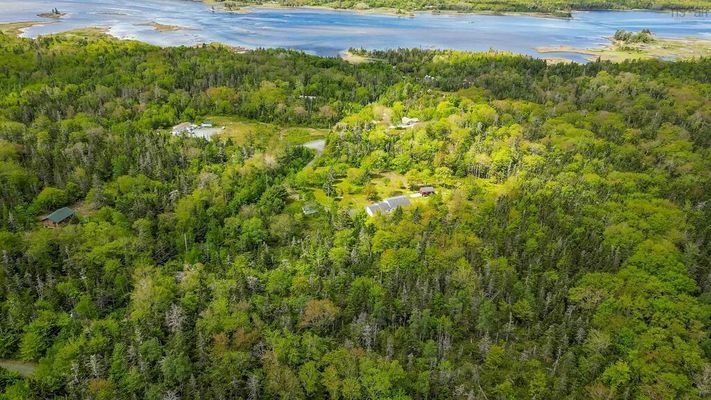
{"x":60,"y":217}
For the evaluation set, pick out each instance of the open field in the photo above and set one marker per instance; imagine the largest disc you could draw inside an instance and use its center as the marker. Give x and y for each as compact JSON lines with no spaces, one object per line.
{"x":353,"y":58}
{"x":242,"y":131}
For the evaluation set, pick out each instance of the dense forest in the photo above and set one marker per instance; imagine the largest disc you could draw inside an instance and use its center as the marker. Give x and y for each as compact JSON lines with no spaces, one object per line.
{"x":543,"y":6}
{"x":566,"y":253}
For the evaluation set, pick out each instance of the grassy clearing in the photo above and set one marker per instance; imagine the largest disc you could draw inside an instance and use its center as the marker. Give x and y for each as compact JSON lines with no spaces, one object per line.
{"x":242,"y":131}
{"x":352,"y":58}
{"x":386,"y":184}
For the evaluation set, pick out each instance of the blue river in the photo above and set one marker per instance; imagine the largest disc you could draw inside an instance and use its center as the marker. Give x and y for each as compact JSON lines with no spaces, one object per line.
{"x":328,"y":33}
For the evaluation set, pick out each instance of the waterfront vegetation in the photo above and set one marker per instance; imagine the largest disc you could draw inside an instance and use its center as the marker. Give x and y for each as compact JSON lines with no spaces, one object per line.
{"x":565,"y":255}
{"x":643,"y":36}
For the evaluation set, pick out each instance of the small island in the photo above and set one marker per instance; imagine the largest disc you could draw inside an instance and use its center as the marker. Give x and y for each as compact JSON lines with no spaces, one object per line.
{"x":55,"y":13}
{"x":165,"y":27}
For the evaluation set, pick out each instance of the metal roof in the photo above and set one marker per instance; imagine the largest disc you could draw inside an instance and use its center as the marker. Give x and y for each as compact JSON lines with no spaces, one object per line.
{"x":399,"y":201}
{"x":381,"y":207}
{"x":388,"y":205}
{"x":372,"y":209}
{"x":60,"y":215}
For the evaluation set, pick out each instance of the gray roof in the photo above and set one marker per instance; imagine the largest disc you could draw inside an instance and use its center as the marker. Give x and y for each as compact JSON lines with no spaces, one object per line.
{"x":372,"y":209}
{"x":381,"y":207}
{"x":60,"y":215}
{"x":399,"y":201}
{"x":427,"y":189}
{"x":388,"y":205}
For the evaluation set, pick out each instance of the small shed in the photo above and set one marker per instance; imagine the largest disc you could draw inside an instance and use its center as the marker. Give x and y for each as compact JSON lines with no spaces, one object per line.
{"x":59,"y":217}
{"x":427,"y":191}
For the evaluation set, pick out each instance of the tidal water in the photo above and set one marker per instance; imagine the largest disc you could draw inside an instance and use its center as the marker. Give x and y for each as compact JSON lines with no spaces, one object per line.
{"x":327,"y":33}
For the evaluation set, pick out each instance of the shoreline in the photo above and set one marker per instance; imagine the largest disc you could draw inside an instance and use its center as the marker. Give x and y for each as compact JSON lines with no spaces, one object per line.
{"x":666,"y":48}
{"x":18,"y":28}
{"x":386,"y":11}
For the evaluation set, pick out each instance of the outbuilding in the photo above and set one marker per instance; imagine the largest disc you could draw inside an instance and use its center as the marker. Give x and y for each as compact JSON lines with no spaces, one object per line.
{"x":59,"y":217}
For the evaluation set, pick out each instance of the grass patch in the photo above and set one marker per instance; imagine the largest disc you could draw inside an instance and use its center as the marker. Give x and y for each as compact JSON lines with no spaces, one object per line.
{"x":386,"y":184}
{"x":243,"y":131}
{"x":353,"y":58}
